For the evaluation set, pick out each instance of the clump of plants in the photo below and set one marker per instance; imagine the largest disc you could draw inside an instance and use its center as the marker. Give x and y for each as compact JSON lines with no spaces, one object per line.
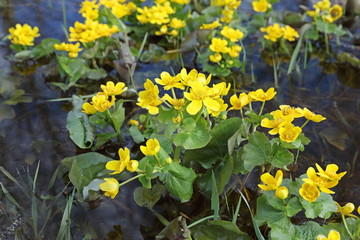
{"x":186,"y":138}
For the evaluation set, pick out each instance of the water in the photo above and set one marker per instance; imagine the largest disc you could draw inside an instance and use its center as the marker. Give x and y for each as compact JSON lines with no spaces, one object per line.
{"x":36,"y":129}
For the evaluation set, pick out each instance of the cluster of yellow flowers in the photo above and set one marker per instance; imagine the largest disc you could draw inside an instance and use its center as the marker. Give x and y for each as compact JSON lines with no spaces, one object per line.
{"x":327,"y":12}
{"x":275,"y":32}
{"x":322,"y":180}
{"x":198,"y":94}
{"x":23,"y":34}
{"x":274,"y":183}
{"x":90,"y":31}
{"x":221,"y":46}
{"x":282,"y":122}
{"x":101,"y":102}
{"x":261,"y":5}
{"x":160,"y":15}
{"x":111,"y":185}
{"x":228,"y":8}
{"x":72,"y":49}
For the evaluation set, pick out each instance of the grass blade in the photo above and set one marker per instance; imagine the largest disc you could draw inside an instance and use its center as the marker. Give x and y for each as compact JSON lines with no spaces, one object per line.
{"x":215,"y":204}
{"x":12,"y":178}
{"x":64,"y":230}
{"x":10,"y":197}
{"x":236,"y":211}
{"x":256,"y":227}
{"x":295,"y":55}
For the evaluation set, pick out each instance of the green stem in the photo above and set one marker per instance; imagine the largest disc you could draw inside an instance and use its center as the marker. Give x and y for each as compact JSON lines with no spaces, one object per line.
{"x":130,"y":179}
{"x":326,"y":39}
{"x":276,"y":81}
{"x":262,"y":108}
{"x":173,"y":93}
{"x":112,"y":122}
{"x":241,"y":113}
{"x":297,"y":156}
{"x":177,"y":154}
{"x":307,"y":120}
{"x":346,"y":226}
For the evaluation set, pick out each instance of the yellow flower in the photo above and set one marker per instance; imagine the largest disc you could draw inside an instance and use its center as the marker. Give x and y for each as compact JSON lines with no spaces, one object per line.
{"x":222,"y":89}
{"x":111,"y":89}
{"x":215,"y":58}
{"x":163,"y":30}
{"x":279,"y":121}
{"x":313,"y":13}
{"x":176,"y":119}
{"x":90,"y":31}
{"x":282,"y":192}
{"x":239,"y":102}
{"x":334,"y":14}
{"x":232,"y":34}
{"x":89,"y":9}
{"x":177,"y":103}
{"x":177,"y":23}
{"x":88,"y":108}
{"x":289,"y":133}
{"x":309,"y":192}
{"x":330,"y":172}
{"x":101,"y":102}
{"x":157,"y":14}
{"x":23,"y":35}
{"x":261,"y":5}
{"x":347,"y":209}
{"x":108,"y":3}
{"x":193,"y":76}
{"x":274,"y":32}
{"x":227,"y":15}
{"x":289,"y":33}
{"x":182,"y":2}
{"x":288,"y":110}
{"x":72,"y":49}
{"x":235,"y":51}
{"x":260,"y":95}
{"x":119,"y":165}
{"x":223,"y":107}
{"x":122,"y":10}
{"x":133,"y":122}
{"x":322,"y":182}
{"x":310,"y":115}
{"x":169,"y":81}
{"x":219,"y":45}
{"x":199,"y":95}
{"x":271,"y":182}
{"x":333,"y":235}
{"x":323,"y":5}
{"x":152,"y":147}
{"x":110,"y":187}
{"x":149,"y":98}
{"x":358,"y":209}
{"x":212,"y":25}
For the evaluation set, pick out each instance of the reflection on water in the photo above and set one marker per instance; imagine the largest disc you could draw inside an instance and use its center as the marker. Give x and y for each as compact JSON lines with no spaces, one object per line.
{"x":37,"y":129}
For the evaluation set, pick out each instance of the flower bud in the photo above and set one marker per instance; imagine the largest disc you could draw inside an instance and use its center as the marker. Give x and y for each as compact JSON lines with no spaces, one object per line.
{"x":282,"y":192}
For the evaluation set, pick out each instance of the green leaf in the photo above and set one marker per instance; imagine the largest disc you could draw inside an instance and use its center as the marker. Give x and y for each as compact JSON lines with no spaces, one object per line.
{"x":218,"y":229}
{"x":102,"y":138}
{"x":282,"y":229}
{"x":280,"y":157}
{"x":178,"y":180}
{"x":147,"y":164}
{"x":46,"y":47}
{"x":148,"y":197}
{"x":215,"y":203}
{"x":223,"y":171}
{"x":217,"y":148}
{"x":193,"y":137}
{"x":118,"y":117}
{"x":265,"y":213}
{"x":84,"y":168}
{"x":136,"y":134}
{"x":78,"y":125}
{"x":353,"y":225}
{"x":309,"y":230}
{"x":256,"y":151}
{"x":323,"y":207}
{"x":90,"y":53}
{"x":293,"y":207}
{"x":166,"y":115}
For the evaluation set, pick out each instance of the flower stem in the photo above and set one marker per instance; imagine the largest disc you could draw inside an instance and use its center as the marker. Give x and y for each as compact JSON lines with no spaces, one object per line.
{"x":130,"y":179}
{"x":307,"y":120}
{"x":262,"y":108}
{"x":346,"y":226}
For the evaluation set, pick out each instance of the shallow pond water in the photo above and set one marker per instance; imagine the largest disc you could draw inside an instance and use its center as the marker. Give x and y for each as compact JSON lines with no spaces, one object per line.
{"x":34,"y":129}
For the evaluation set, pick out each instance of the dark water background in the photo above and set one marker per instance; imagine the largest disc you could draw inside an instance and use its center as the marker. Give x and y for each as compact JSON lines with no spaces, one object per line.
{"x":37,"y":131}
